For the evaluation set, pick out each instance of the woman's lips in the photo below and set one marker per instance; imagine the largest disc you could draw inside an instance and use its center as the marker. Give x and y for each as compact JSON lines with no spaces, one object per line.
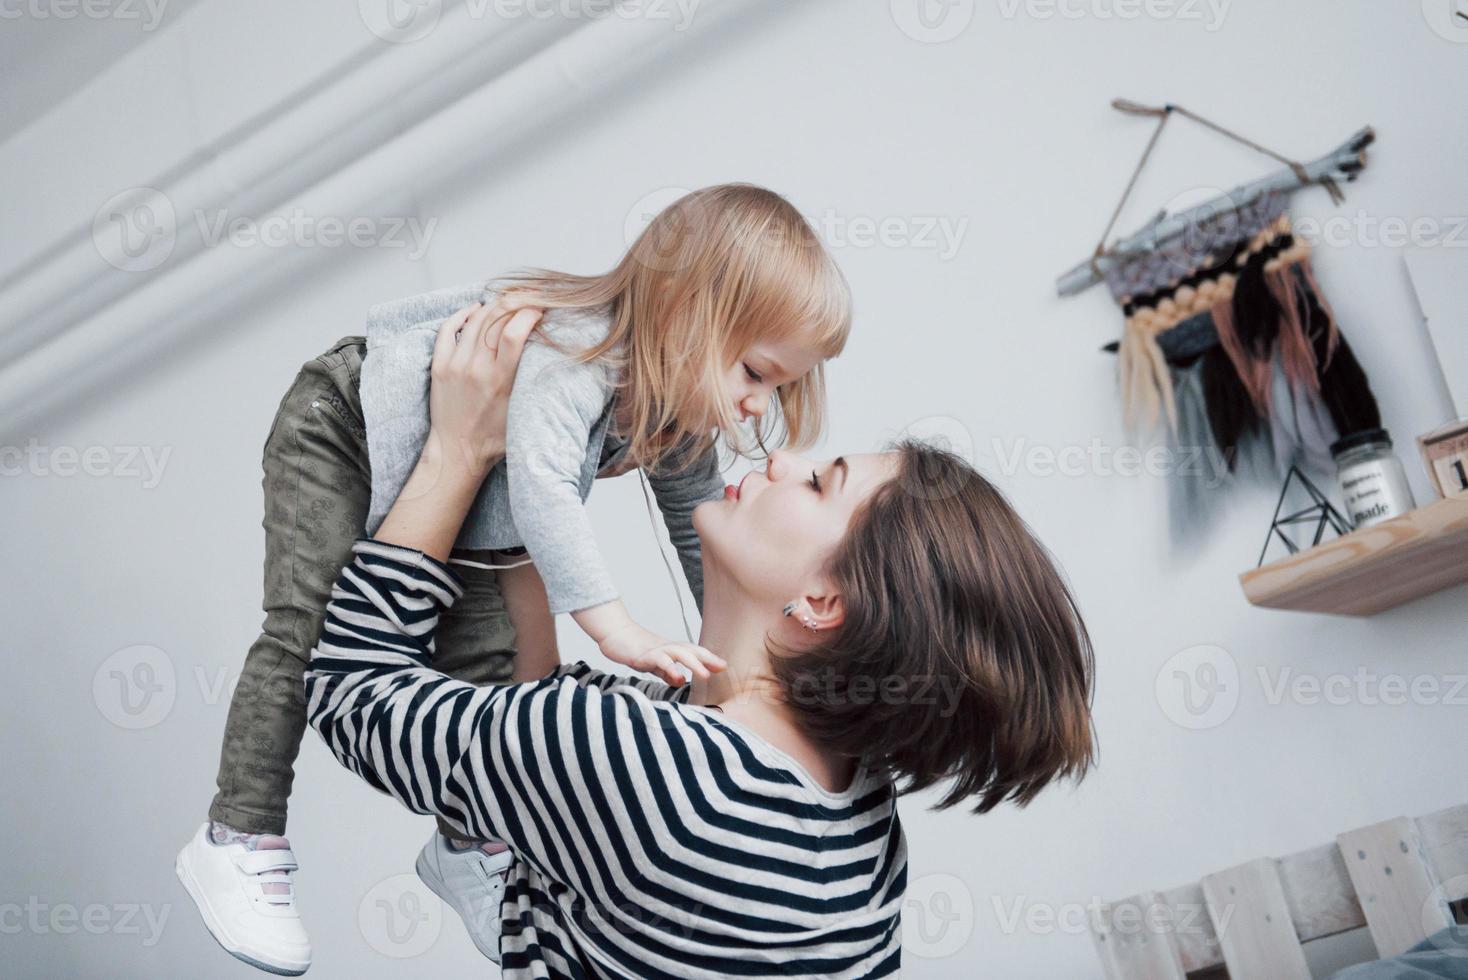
{"x":732,"y":492}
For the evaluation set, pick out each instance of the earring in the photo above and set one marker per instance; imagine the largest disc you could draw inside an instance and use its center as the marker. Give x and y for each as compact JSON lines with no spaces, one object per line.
{"x":807,"y":621}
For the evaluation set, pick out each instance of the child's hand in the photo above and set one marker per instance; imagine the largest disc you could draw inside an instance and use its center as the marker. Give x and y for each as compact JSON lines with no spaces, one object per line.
{"x":642,"y":649}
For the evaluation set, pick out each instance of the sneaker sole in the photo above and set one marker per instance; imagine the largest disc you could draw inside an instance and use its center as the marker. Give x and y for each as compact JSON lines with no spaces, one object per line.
{"x":430,"y":877}
{"x":186,"y":878}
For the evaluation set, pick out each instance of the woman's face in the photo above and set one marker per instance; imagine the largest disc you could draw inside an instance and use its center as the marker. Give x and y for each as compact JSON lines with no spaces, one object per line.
{"x":773,"y":533}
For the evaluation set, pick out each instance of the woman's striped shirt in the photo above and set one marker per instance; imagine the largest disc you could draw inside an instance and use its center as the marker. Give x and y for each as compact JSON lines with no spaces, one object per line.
{"x":652,"y":838}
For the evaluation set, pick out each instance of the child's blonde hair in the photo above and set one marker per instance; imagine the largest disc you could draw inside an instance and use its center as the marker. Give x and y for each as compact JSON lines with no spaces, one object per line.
{"x":714,"y":272}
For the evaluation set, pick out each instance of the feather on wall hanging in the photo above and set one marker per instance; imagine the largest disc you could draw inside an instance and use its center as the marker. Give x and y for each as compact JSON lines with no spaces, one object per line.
{"x":1228,"y":344}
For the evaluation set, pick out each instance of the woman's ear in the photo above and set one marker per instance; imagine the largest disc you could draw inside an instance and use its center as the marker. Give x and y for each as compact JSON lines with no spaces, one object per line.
{"x":822,"y":612}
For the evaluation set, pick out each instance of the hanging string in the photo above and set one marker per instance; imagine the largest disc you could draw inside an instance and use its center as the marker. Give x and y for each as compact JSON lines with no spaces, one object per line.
{"x":1163,"y":113}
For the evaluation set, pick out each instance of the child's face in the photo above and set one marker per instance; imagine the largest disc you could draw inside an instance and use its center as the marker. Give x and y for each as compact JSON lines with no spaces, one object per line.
{"x":753,"y":377}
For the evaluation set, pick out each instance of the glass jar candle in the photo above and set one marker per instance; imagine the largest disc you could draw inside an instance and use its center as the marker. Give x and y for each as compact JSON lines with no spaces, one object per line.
{"x":1372,"y":479}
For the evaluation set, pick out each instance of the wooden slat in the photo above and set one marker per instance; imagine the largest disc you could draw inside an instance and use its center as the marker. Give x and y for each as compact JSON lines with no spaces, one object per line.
{"x":1319,"y":893}
{"x":1372,"y":569}
{"x":1318,"y":890}
{"x":1136,"y":941}
{"x":1197,"y":943}
{"x":1247,"y":905}
{"x":1445,"y":842}
{"x":1395,"y":884}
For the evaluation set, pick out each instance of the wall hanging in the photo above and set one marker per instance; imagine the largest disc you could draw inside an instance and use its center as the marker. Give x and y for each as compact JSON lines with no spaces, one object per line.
{"x":1227,"y":337}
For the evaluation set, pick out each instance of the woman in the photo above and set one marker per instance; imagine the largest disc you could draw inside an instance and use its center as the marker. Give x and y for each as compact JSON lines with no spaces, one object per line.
{"x":888,"y":621}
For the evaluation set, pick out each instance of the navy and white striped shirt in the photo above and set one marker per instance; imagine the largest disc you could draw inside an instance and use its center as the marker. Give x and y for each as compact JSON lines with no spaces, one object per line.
{"x":652,"y":838}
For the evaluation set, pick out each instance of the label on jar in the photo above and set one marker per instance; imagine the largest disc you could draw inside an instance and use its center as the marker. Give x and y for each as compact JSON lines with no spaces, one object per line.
{"x":1375,"y":490}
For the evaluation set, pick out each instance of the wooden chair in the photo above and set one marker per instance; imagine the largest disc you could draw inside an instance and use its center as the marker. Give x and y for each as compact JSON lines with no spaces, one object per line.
{"x":1400,"y":878}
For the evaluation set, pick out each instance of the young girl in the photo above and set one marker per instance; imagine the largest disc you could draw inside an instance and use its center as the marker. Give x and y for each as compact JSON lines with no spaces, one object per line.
{"x":726,"y":304}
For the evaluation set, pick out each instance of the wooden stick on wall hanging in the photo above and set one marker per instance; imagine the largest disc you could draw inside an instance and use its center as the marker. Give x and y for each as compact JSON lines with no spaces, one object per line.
{"x":1227,"y":336}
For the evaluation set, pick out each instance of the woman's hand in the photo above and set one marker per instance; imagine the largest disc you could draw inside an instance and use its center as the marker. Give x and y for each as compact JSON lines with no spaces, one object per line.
{"x":475,"y":357}
{"x":474,"y":361}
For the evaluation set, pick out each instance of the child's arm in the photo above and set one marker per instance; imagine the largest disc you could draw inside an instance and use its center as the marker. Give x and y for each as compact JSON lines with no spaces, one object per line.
{"x":536,"y":653}
{"x":624,"y":642}
{"x":553,"y":407}
{"x":678,"y":492}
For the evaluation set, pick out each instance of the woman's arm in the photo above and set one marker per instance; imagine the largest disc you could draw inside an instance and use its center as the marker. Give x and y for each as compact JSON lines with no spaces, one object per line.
{"x":474,"y":362}
{"x":571,"y":771}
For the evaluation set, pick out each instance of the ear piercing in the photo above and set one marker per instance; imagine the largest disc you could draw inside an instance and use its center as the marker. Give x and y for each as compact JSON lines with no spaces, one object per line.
{"x":807,"y":621}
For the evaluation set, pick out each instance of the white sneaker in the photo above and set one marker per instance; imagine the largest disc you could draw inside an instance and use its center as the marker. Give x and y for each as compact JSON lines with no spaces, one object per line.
{"x":257,"y":925}
{"x":471,"y":883}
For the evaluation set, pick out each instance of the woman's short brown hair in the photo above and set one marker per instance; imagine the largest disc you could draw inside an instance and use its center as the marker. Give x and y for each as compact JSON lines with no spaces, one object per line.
{"x":962,"y":655}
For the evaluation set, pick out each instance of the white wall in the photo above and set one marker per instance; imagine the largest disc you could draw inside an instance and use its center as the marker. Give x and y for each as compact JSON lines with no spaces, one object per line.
{"x":1003,"y":131}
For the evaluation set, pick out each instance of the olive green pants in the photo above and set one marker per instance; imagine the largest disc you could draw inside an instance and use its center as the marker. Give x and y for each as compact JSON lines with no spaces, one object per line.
{"x":317,"y":488}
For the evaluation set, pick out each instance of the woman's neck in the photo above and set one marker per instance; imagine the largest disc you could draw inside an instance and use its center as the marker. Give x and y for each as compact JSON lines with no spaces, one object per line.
{"x":747,"y":691}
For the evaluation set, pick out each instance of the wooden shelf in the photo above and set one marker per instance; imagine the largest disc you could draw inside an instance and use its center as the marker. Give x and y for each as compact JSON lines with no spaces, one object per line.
{"x":1375,"y":568}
